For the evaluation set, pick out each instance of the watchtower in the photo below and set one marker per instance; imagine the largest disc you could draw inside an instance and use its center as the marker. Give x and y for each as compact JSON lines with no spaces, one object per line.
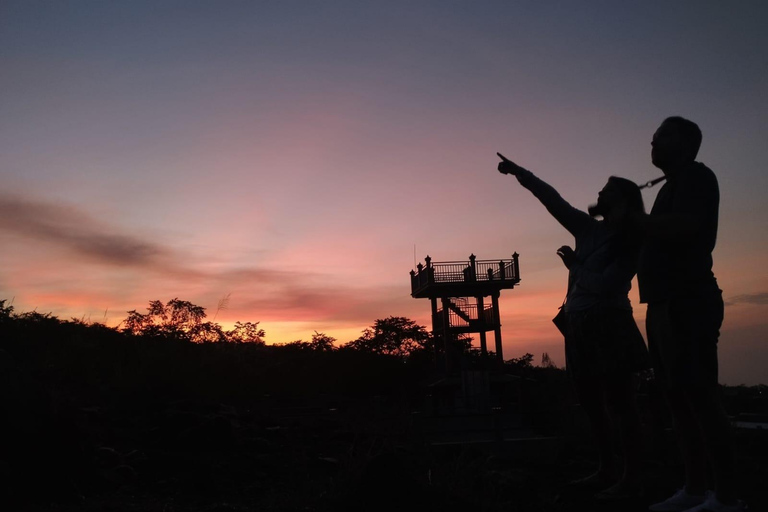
{"x":458,"y":292}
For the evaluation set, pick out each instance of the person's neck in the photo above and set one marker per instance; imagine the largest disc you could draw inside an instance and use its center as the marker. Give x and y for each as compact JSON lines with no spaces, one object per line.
{"x":674,"y":169}
{"x":611,"y":221}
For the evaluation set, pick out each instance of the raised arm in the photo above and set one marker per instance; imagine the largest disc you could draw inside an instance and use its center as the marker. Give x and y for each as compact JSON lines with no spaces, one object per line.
{"x":572,"y":219}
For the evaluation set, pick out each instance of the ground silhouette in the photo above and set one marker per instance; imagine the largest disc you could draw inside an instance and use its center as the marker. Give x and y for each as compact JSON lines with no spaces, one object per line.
{"x":97,"y":419}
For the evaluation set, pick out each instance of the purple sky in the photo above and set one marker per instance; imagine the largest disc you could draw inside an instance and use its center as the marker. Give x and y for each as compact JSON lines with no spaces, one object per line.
{"x":292,"y":154}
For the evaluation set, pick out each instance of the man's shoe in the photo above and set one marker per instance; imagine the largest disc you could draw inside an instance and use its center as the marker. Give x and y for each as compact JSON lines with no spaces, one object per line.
{"x":679,"y":502}
{"x":712,"y":504}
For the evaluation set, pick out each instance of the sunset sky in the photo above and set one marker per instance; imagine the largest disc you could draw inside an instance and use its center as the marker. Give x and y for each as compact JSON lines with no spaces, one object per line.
{"x":295,"y":156}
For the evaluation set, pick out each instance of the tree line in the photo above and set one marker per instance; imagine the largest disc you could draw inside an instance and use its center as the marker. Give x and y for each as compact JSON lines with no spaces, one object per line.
{"x":182,"y":320}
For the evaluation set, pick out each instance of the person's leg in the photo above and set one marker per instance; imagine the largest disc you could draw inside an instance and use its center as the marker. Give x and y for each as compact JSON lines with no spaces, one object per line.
{"x":583,"y":368}
{"x":715,"y":431}
{"x":590,"y":391}
{"x":620,"y":393}
{"x":664,"y":346}
{"x":690,"y":440}
{"x":659,"y":419}
{"x":707,"y":317}
{"x":692,"y":328}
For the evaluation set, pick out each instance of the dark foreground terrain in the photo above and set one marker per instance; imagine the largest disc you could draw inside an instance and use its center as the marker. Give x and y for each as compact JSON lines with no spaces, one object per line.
{"x":94,"y":420}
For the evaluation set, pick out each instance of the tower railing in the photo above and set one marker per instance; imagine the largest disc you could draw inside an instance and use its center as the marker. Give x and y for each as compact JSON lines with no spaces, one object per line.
{"x":471,"y":271}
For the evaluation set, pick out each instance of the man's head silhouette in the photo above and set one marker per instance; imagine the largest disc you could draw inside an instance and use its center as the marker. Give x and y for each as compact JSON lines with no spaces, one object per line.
{"x":675,"y":144}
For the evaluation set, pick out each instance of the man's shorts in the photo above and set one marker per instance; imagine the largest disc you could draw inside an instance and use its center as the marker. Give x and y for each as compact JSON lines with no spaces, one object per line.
{"x":682,"y":339}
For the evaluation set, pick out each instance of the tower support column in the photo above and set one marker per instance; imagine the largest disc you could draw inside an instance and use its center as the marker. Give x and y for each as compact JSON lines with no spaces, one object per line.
{"x":446,"y":335}
{"x":435,"y":328}
{"x":481,"y":323}
{"x":497,"y":327}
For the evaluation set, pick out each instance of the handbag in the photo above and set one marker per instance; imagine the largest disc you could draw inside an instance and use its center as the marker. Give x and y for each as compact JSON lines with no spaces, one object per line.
{"x":561,"y":320}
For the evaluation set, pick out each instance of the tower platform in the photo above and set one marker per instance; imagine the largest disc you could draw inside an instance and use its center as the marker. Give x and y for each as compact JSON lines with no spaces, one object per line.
{"x":461,"y":287}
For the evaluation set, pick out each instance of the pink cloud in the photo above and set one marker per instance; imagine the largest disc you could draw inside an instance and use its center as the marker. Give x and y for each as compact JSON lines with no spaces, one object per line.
{"x":67,"y":227}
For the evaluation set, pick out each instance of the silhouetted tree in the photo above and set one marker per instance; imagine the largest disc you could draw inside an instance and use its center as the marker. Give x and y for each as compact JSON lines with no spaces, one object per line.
{"x":246,"y":332}
{"x":207,"y":332}
{"x":463,"y":343}
{"x":394,"y":335}
{"x":524,"y":361}
{"x":183,"y":320}
{"x":546,"y":361}
{"x":5,"y":311}
{"x":37,"y":318}
{"x":322,"y":342}
{"x":175,"y":319}
{"x":294,"y":345}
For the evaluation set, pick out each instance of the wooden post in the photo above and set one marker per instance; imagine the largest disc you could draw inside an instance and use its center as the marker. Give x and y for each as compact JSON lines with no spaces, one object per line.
{"x":446,"y":335}
{"x":497,"y":326}
{"x":433,"y":300}
{"x":516,"y":265}
{"x":481,"y":323}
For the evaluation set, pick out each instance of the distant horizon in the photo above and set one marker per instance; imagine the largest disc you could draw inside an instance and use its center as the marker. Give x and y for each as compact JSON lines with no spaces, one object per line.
{"x":555,"y":352}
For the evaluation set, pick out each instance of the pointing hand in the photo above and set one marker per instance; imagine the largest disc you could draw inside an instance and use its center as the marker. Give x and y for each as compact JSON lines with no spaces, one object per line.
{"x":507,"y":166}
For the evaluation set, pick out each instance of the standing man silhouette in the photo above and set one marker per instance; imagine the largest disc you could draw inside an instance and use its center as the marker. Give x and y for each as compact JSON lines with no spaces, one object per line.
{"x":685,"y":312}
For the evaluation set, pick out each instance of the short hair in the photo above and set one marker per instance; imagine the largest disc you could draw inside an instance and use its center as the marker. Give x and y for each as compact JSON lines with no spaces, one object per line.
{"x":690,"y":135}
{"x":630,"y":192}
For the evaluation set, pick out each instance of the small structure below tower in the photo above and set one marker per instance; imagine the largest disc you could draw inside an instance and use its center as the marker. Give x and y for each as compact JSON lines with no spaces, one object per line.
{"x":458,"y":292}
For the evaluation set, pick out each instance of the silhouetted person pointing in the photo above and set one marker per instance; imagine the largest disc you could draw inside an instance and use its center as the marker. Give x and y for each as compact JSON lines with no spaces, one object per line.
{"x":603,"y":345}
{"x":685,"y":311}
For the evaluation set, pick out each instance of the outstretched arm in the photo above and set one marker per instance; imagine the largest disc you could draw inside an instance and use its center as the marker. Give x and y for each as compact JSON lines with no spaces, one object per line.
{"x":572,"y":219}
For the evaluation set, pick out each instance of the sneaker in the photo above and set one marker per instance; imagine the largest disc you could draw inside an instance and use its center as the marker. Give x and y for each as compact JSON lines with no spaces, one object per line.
{"x":711,"y":504}
{"x":678,"y":502}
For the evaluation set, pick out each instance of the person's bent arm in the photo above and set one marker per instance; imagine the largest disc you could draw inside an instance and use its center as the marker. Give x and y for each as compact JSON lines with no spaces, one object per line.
{"x":693,"y":210}
{"x":668,"y":226}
